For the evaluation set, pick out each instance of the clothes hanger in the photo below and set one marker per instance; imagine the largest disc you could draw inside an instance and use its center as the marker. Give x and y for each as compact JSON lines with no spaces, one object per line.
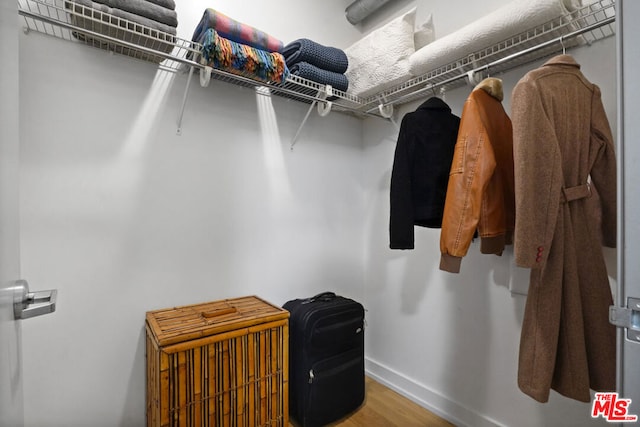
{"x":433,"y":89}
{"x":442,"y":94}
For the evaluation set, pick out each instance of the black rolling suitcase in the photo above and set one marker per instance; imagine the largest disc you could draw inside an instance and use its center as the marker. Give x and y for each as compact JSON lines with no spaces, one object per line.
{"x":326,"y":358}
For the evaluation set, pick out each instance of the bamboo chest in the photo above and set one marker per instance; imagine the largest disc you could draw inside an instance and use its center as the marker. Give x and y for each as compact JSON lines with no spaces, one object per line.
{"x":222,"y":363}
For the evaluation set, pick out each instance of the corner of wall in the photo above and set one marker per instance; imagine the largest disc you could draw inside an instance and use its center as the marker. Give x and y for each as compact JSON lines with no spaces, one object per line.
{"x":430,"y":399}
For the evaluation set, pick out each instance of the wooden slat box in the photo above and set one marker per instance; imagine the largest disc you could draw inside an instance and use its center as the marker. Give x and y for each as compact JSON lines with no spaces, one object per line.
{"x":222,"y":363}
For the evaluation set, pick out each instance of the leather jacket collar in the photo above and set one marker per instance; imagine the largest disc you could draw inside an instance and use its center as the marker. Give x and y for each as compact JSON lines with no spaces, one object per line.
{"x":493,"y":86}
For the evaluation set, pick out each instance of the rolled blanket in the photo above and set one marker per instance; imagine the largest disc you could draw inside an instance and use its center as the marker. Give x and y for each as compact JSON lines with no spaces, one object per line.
{"x":325,"y":57}
{"x":311,"y":72}
{"x":235,"y":31}
{"x":243,"y":60}
{"x":145,"y":8}
{"x":503,"y":23}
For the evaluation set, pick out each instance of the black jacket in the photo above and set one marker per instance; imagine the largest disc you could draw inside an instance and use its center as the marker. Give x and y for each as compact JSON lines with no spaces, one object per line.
{"x":421,"y":166}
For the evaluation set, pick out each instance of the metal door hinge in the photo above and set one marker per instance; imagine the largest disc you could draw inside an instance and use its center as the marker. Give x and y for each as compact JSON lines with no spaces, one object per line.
{"x":627,"y":318}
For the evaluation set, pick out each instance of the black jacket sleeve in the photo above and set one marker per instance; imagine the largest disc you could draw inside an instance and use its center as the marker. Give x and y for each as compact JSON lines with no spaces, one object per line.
{"x":401,"y":218}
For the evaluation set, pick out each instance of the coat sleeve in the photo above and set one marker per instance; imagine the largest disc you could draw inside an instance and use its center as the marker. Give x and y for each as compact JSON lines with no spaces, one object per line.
{"x":401,"y":234}
{"x":603,"y":171}
{"x":537,"y":175}
{"x":472,"y":167}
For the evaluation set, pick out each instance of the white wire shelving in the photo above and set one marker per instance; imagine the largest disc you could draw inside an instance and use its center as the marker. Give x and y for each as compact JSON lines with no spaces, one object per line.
{"x":74,"y":22}
{"x":592,"y":22}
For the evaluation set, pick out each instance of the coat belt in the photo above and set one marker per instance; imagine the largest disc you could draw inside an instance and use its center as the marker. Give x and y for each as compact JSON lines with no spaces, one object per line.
{"x":574,"y":193}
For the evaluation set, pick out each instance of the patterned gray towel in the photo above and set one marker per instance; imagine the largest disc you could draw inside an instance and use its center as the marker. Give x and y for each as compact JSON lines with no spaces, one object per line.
{"x":145,"y":8}
{"x":318,"y":75}
{"x":324,"y":57}
{"x":169,"y":4}
{"x":92,"y":25}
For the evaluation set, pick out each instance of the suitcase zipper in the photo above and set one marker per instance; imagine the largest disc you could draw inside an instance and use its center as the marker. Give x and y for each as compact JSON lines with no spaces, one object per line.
{"x":334,"y":368}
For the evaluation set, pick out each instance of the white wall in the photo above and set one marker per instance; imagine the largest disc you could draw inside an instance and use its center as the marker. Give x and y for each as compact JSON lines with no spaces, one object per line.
{"x":124,"y":216}
{"x":11,"y":384}
{"x":451,"y":342}
{"x":629,"y":385}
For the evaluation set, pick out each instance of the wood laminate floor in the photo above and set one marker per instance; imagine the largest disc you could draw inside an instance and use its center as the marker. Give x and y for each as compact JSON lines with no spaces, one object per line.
{"x":384,"y":407}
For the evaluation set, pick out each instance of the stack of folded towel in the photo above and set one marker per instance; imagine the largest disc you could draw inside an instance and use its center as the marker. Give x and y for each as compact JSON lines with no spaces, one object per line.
{"x":240,"y":49}
{"x":157,"y":21}
{"x":318,"y":63}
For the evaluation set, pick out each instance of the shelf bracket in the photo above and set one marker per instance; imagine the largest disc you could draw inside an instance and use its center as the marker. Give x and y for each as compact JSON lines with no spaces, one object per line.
{"x":184,"y":101}
{"x":474,"y":77}
{"x":324,"y":108}
{"x":304,"y":121}
{"x":386,"y":111}
{"x":205,"y":76}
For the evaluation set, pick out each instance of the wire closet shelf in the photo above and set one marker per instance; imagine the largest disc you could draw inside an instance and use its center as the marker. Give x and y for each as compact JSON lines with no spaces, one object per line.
{"x":75,"y":22}
{"x":590,"y":23}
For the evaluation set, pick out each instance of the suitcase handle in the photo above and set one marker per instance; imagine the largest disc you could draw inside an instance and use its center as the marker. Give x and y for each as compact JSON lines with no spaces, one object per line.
{"x":221,"y":312}
{"x":324,"y":296}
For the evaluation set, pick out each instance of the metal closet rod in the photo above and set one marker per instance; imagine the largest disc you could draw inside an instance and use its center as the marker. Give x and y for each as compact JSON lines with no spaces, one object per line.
{"x":507,"y":58}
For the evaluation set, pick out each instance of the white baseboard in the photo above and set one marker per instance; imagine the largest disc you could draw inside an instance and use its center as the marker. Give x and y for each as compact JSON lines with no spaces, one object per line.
{"x":427,"y":398}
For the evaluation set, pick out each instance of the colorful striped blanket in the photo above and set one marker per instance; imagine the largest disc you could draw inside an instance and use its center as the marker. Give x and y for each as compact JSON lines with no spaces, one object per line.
{"x":243,"y":60}
{"x":235,"y":31}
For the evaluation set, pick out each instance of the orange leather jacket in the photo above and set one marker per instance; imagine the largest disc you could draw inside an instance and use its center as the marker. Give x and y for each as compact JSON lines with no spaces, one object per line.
{"x":480,"y":193}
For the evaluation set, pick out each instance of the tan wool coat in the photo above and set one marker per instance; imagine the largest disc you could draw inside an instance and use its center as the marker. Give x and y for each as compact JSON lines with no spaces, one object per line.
{"x":565,"y":185}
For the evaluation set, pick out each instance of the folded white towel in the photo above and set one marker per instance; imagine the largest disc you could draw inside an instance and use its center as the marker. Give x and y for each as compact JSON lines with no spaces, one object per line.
{"x":381,"y":59}
{"x":501,"y":24}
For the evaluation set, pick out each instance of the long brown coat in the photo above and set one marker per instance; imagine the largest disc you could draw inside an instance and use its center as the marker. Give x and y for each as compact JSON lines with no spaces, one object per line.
{"x":565,"y":185}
